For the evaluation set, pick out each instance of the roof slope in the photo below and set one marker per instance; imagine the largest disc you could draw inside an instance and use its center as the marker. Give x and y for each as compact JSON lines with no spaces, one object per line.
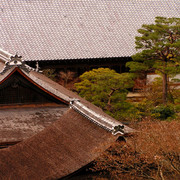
{"x":46,"y":29}
{"x":67,"y":145}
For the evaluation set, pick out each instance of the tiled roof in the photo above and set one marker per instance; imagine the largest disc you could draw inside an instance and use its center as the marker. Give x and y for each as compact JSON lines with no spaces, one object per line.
{"x":72,"y":29}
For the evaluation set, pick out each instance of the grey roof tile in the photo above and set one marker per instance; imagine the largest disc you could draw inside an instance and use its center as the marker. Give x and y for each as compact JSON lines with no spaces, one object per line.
{"x":72,"y":29}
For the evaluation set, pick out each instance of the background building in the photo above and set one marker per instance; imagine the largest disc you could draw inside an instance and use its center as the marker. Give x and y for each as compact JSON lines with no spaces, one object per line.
{"x":78,"y":35}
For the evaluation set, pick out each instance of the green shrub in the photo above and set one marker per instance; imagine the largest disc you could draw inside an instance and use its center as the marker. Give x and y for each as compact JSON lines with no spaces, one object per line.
{"x":163,"y":112}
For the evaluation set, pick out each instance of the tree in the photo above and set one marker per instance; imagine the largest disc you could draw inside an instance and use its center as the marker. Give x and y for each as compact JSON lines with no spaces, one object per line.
{"x":160,"y":45}
{"x":66,"y":77}
{"x":106,"y":89}
{"x":50,"y":73}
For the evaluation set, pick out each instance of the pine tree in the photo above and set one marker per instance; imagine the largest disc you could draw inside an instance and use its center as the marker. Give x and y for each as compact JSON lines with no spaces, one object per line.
{"x":160,"y":50}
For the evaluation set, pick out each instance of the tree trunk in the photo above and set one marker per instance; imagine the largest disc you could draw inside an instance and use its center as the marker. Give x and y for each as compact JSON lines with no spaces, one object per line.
{"x":109,"y":98}
{"x":165,"y":88}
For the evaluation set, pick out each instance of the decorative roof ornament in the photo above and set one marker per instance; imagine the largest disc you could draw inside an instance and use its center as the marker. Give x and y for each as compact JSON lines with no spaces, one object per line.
{"x":15,"y":60}
{"x":118,"y":129}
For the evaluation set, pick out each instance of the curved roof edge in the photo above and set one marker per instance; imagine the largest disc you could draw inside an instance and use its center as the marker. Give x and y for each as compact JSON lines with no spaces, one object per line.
{"x":100,"y":120}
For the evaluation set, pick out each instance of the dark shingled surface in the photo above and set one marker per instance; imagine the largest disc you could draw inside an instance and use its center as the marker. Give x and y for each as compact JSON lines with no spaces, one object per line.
{"x":71,"y":29}
{"x":17,"y":124}
{"x":64,"y":147}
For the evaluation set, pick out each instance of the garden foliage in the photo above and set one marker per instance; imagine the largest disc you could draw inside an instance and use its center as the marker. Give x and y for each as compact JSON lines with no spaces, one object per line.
{"x":107,"y":89}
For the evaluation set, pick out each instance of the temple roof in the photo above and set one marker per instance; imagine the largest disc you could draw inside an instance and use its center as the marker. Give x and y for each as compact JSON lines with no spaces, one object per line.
{"x":70,"y":99}
{"x":55,"y":142}
{"x":52,"y":30}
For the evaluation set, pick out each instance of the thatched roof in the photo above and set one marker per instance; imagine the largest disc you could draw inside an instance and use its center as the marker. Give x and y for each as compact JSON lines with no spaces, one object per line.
{"x":73,"y":29}
{"x":66,"y":146}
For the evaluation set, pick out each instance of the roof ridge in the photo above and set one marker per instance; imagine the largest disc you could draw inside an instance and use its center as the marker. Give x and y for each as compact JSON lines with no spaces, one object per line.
{"x":113,"y":126}
{"x":4,"y":55}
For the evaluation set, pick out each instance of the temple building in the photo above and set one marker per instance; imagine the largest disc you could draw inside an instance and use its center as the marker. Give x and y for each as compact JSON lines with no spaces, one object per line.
{"x":52,"y":131}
